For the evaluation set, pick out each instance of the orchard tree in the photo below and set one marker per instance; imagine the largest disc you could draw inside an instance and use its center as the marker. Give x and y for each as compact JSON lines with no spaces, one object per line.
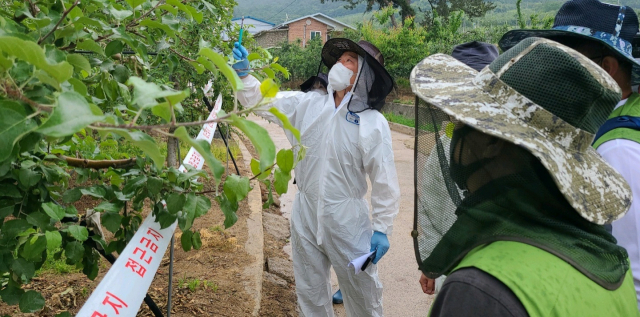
{"x":80,"y":78}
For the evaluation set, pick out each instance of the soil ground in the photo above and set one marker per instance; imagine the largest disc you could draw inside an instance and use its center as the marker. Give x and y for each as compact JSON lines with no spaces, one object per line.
{"x":206,"y":282}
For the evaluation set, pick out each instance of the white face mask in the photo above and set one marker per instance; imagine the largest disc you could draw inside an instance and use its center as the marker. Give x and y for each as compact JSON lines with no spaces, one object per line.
{"x":339,"y":77}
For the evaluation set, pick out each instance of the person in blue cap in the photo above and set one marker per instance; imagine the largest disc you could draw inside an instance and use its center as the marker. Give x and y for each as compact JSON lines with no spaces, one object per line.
{"x":604,"y":33}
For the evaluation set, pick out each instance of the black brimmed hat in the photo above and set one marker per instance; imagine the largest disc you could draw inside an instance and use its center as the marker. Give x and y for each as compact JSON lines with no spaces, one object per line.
{"x":475,"y":54}
{"x":308,"y":84}
{"x":383,"y":82}
{"x":612,"y":25}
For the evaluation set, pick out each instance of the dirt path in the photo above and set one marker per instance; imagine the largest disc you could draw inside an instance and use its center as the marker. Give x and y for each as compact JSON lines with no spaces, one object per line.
{"x":398,"y":269}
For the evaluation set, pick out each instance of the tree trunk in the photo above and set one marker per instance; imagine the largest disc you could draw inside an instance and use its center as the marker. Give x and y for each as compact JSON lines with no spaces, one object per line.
{"x":172,"y":150}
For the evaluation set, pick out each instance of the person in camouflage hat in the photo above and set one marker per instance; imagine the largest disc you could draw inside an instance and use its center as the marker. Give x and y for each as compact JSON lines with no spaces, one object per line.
{"x":527,"y":239}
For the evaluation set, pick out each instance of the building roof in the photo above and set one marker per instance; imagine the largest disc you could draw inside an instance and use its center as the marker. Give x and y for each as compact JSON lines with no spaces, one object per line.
{"x":250,"y":17}
{"x":322,"y":18}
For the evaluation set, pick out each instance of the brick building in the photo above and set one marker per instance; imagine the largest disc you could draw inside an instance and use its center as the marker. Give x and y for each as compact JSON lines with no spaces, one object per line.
{"x":304,"y":28}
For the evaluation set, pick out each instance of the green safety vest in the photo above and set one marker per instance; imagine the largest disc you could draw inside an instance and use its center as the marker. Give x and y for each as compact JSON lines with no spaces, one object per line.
{"x":549,"y":286}
{"x":630,"y":108}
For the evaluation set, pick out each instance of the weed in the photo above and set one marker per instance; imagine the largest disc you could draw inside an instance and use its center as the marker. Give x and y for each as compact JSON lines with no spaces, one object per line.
{"x":85,"y":292}
{"x":194,"y":284}
{"x":217,"y":228}
{"x":210,"y":285}
{"x":182,"y":281}
{"x":392,"y":117}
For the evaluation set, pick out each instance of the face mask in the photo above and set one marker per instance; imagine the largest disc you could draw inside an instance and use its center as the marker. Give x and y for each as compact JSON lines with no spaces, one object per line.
{"x":339,"y":77}
{"x":460,"y":173}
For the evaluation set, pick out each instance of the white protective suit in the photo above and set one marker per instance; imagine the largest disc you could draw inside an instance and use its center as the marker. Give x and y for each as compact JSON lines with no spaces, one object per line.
{"x":330,"y":221}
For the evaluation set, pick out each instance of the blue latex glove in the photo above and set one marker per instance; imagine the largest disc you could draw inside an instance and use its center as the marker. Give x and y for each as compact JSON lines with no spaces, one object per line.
{"x":240,"y":53}
{"x":380,"y":244}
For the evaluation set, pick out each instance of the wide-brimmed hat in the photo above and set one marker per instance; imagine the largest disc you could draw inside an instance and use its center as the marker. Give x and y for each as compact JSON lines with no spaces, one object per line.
{"x":612,"y":25}
{"x":308,"y":84}
{"x":383,"y":83}
{"x":546,"y":98}
{"x":475,"y":54}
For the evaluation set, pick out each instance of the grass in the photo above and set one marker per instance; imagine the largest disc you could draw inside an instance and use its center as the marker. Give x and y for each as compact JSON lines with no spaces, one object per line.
{"x":53,"y":266}
{"x":391,"y":117}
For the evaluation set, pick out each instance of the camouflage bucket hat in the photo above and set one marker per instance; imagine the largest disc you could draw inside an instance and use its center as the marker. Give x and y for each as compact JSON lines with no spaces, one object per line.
{"x":546,"y":98}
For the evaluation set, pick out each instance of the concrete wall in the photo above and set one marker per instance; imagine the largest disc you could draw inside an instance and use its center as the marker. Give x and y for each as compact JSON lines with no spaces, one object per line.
{"x":272,"y":38}
{"x":297,"y":30}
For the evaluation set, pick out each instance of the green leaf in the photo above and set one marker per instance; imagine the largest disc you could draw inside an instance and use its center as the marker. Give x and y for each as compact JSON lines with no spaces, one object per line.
{"x":236,"y":188}
{"x":281,"y":181}
{"x":11,"y":294}
{"x":185,"y":240}
{"x":32,"y":53}
{"x":5,"y":63}
{"x":110,"y":207}
{"x":133,"y":185}
{"x":94,"y":191}
{"x":72,"y":114}
{"x":114,"y":47}
{"x":79,"y":62}
{"x":269,"y":88}
{"x":255,"y":169}
{"x":46,"y":79}
{"x":145,"y":93}
{"x":253,"y":56}
{"x":13,"y":127}
{"x":169,"y":8}
{"x":285,"y":160}
{"x":175,"y":202}
{"x":120,"y":14}
{"x":204,"y":149}
{"x":229,"y":209}
{"x":91,"y":45}
{"x":259,"y":138}
{"x":196,"y":241}
{"x":202,"y":207}
{"x":78,"y":86}
{"x":78,"y":232}
{"x":54,"y":240}
{"x":271,"y":74}
{"x":281,"y":69}
{"x":23,"y":269}
{"x":34,"y":247}
{"x":72,"y":195}
{"x":154,"y":185}
{"x":54,"y":211}
{"x":141,"y":141}
{"x":63,"y":314}
{"x":111,"y":221}
{"x":269,"y":201}
{"x":135,"y":3}
{"x":31,"y":302}
{"x":157,"y":25}
{"x":28,"y":178}
{"x":165,"y":218}
{"x":74,"y":251}
{"x":221,"y":63}
{"x":121,"y":73}
{"x":188,"y":212}
{"x":285,"y":122}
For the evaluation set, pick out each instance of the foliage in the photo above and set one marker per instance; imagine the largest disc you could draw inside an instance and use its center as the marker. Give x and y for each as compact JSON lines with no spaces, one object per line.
{"x":445,"y":8}
{"x":404,"y":7}
{"x":102,"y":80}
{"x":302,"y":63}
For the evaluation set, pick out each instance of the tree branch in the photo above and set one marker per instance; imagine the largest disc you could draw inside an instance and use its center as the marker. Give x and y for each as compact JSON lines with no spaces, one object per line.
{"x":98,"y":164}
{"x":181,"y":56}
{"x":134,"y":22}
{"x":64,"y":16}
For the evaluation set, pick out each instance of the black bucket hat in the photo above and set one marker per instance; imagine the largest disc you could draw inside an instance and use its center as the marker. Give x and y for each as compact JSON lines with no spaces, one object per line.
{"x":308,"y":84}
{"x":475,"y":54}
{"x":383,"y":83}
{"x":612,"y":25}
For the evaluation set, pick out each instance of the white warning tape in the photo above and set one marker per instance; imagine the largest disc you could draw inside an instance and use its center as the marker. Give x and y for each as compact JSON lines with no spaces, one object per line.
{"x":123,"y":288}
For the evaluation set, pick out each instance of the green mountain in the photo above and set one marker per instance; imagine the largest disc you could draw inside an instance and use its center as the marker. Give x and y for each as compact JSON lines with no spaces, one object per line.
{"x":277,"y":11}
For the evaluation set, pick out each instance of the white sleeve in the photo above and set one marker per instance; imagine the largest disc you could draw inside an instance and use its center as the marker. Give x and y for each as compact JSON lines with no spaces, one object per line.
{"x":379,"y":164}
{"x":623,"y":156}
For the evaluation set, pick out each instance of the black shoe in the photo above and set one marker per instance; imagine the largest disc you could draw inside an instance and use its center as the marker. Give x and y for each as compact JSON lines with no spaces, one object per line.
{"x":337,"y":297}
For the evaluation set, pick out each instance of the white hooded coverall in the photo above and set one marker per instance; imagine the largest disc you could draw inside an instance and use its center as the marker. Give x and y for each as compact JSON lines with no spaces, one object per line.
{"x":330,"y":223}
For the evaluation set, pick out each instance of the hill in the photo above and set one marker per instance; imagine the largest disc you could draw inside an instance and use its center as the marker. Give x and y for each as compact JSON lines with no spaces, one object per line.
{"x":276,"y":11}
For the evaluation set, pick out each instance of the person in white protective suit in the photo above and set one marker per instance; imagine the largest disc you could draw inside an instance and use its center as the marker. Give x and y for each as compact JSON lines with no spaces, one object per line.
{"x":347,"y":138}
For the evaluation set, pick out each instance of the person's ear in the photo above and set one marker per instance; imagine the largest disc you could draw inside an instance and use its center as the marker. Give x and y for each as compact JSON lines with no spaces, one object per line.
{"x":610,"y":65}
{"x":493,"y":147}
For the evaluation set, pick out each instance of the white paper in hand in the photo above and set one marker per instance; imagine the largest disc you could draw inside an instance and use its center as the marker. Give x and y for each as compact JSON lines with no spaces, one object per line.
{"x":357,"y":263}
